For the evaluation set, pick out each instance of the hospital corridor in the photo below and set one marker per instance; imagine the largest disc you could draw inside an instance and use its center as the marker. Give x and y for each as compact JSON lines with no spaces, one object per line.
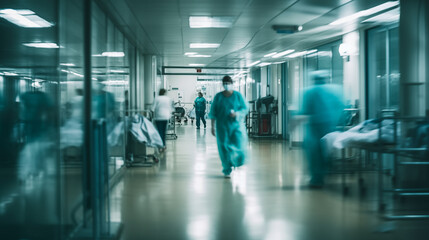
{"x":185,"y":197}
{"x":214,"y":119}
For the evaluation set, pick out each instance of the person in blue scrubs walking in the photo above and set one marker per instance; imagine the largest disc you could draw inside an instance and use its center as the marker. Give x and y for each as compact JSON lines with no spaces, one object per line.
{"x":227,"y":114}
{"x":322,"y":108}
{"x":200,"y":109}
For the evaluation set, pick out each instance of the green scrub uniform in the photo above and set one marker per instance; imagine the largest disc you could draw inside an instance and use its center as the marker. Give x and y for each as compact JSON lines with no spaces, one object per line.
{"x":230,"y":132}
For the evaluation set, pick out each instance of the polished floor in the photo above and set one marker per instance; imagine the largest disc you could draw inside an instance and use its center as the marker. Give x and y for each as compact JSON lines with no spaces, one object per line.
{"x":186,"y":197}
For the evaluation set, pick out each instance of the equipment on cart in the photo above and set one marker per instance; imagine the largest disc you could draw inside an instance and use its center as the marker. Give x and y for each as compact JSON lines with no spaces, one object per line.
{"x":261,"y":118}
{"x":192,"y":115}
{"x":171,"y":128}
{"x":180,"y":113}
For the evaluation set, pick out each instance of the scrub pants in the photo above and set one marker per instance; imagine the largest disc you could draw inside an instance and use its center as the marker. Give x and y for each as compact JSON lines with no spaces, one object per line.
{"x":314,"y":152}
{"x":200,"y":115}
{"x":161,"y":125}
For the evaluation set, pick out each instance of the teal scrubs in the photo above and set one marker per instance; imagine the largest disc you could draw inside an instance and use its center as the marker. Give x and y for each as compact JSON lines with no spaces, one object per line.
{"x":323,"y":104}
{"x":230,"y":132}
{"x":200,"y":110}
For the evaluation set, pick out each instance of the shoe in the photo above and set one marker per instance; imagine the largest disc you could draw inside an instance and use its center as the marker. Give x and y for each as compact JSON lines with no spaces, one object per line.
{"x":227,"y":176}
{"x":205,"y":127}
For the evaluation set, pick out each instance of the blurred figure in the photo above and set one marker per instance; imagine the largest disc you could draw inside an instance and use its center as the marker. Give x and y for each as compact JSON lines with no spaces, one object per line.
{"x":103,"y":103}
{"x":77,"y":106}
{"x":200,"y":109}
{"x":321,"y":109}
{"x":227,"y":113}
{"x":162,"y":107}
{"x":37,"y":114}
{"x":8,"y":117}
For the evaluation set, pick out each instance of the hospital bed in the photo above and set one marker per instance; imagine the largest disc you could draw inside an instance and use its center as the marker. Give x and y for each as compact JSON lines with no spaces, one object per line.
{"x":406,"y":142}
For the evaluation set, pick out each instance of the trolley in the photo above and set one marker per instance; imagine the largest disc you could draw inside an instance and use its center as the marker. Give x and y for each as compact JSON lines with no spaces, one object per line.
{"x":171,"y":128}
{"x":136,"y":152}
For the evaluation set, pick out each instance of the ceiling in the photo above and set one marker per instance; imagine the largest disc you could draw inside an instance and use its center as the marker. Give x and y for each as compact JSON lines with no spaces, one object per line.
{"x":162,"y":27}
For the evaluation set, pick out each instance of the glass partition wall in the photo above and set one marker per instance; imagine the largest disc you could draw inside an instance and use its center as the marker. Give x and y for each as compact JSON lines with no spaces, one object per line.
{"x":42,"y":113}
{"x":383,"y":69}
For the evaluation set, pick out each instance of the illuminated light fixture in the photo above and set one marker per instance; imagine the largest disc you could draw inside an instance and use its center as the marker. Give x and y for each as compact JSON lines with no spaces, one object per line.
{"x":270,"y":54}
{"x":113,"y":54}
{"x":9,"y":74}
{"x":284,"y":53}
{"x":253,"y":63}
{"x":67,"y":64}
{"x":117,"y":82}
{"x":390,"y":16}
{"x":36,"y":85}
{"x":72,"y":72}
{"x":42,"y":45}
{"x":199,"y":55}
{"x":264,"y":64}
{"x":367,"y":12}
{"x":204,"y":45}
{"x":299,"y":54}
{"x":24,"y":18}
{"x":210,"y":22}
{"x":190,"y":53}
{"x":196,"y":65}
{"x":117,"y":71}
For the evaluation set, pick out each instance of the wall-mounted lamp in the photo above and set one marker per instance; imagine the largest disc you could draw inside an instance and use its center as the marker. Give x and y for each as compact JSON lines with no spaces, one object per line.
{"x":345,"y":51}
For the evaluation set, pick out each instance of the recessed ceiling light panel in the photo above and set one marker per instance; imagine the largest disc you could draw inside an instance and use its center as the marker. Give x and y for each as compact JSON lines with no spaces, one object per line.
{"x":199,"y":56}
{"x":367,"y":12}
{"x":113,"y":54}
{"x":210,"y":22}
{"x":24,"y":18}
{"x":204,"y":45}
{"x":284,"y":53}
{"x":42,"y":45}
{"x":253,"y":63}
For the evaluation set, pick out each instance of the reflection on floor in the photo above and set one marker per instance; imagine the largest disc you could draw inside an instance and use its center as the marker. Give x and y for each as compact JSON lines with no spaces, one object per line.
{"x":186,"y":197}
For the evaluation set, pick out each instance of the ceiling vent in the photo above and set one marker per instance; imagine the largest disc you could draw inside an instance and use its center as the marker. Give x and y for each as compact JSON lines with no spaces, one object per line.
{"x":286,"y":29}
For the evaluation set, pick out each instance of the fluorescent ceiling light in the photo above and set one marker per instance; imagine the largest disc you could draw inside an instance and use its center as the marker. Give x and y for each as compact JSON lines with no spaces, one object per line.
{"x":196,"y":65}
{"x":117,"y":71}
{"x":42,"y":45}
{"x":115,"y":82}
{"x":24,"y":18}
{"x":210,"y":22}
{"x":390,"y":16}
{"x":199,"y":55}
{"x":283,"y":53}
{"x":204,"y":45}
{"x":299,"y":54}
{"x":264,"y":64}
{"x":68,"y":64}
{"x":72,"y":72}
{"x":253,"y":63}
{"x":9,"y":74}
{"x":190,"y":53}
{"x":365,"y":13}
{"x":270,"y":54}
{"x":113,"y":54}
